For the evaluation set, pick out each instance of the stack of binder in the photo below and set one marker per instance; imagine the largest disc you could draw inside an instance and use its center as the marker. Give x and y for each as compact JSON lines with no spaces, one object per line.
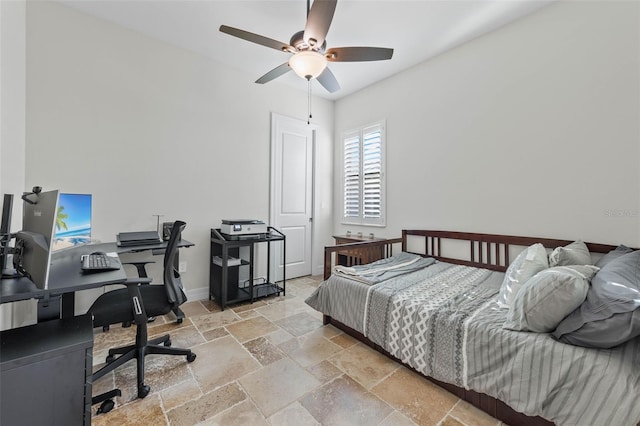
{"x":143,"y":238}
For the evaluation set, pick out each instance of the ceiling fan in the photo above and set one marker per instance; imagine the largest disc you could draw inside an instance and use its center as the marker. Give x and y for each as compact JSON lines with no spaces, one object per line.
{"x":310,"y":56}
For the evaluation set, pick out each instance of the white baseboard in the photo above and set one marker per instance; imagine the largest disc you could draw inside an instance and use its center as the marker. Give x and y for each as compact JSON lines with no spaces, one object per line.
{"x":203,"y":292}
{"x":319,"y":270}
{"x":198,"y":294}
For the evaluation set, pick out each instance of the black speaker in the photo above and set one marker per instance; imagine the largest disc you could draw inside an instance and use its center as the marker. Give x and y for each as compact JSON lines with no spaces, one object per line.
{"x":166,"y":230}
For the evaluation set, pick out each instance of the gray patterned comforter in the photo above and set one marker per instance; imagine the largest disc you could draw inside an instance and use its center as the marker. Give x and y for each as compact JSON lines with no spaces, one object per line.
{"x":443,"y":321}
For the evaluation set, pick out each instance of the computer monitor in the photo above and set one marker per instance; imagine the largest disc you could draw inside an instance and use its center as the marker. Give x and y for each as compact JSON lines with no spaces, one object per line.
{"x":33,"y":261}
{"x":7,"y":207}
{"x":73,"y":221}
{"x":5,"y":228}
{"x":36,"y":237}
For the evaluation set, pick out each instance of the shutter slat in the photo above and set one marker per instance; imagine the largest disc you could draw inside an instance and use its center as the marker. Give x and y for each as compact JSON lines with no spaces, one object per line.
{"x":362,"y":171}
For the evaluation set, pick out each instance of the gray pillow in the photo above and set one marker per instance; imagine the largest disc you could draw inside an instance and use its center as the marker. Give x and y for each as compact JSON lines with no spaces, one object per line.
{"x":607,"y":333}
{"x":611,"y":300}
{"x":612,"y":255}
{"x":575,"y":253}
{"x":548,"y":297}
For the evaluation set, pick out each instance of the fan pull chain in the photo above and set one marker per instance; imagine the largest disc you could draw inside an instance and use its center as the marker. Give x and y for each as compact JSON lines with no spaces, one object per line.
{"x":309,"y":99}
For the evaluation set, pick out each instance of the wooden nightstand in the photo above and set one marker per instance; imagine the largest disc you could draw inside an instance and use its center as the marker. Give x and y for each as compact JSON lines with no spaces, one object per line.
{"x":358,"y":257}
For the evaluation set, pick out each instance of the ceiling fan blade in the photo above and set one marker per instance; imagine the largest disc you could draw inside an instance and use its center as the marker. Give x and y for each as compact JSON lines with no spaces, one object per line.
{"x":274,"y":73}
{"x":258,"y":39}
{"x":328,"y":80}
{"x":318,"y":21}
{"x":358,"y":54}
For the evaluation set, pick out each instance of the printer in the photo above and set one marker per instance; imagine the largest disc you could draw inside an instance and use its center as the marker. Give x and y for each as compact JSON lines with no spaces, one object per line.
{"x":247,"y":228}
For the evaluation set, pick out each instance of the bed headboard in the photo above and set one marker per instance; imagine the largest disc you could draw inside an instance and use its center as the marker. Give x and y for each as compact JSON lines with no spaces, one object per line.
{"x":487,"y":251}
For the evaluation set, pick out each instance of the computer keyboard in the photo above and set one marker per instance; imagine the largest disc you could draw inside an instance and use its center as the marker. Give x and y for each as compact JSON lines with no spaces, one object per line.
{"x":98,"y":262}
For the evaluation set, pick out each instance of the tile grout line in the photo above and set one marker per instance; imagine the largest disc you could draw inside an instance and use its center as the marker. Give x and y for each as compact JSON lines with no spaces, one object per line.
{"x":202,"y":393}
{"x":448,"y":413}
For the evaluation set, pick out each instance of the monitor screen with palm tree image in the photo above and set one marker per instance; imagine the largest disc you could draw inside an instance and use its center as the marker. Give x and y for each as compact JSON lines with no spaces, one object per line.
{"x":73,"y":221}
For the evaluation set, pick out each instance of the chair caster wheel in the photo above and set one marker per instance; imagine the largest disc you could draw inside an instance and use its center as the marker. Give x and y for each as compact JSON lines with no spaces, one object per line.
{"x":126,"y":324}
{"x":167,"y":343}
{"x":179,"y":321}
{"x":110,"y":359}
{"x":106,"y":406}
{"x":143,"y":391}
{"x":105,"y":328}
{"x":191,"y":357}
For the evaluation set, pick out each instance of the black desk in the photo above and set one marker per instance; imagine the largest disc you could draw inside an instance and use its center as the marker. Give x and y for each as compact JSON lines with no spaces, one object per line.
{"x":46,"y":368}
{"x":66,"y":277}
{"x":154,"y":247}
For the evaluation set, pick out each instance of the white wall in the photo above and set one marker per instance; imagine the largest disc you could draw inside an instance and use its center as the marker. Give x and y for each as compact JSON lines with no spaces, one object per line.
{"x":12,"y":132}
{"x":12,"y":99}
{"x":149,"y":128}
{"x":530,"y":130}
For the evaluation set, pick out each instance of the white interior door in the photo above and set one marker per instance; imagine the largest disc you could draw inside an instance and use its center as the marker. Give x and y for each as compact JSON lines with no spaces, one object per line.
{"x":292,"y":192}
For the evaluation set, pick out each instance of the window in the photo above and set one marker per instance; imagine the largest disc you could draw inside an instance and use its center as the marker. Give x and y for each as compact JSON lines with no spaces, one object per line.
{"x":363,"y":176}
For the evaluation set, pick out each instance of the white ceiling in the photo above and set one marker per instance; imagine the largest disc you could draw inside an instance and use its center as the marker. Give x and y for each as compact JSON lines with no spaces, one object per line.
{"x":417,"y":30}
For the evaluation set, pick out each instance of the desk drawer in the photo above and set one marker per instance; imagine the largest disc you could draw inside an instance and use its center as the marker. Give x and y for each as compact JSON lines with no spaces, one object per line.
{"x":44,"y":376}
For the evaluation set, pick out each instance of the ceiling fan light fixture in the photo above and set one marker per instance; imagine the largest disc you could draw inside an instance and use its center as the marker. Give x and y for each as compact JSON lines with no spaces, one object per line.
{"x":308,"y":64}
{"x":308,"y":48}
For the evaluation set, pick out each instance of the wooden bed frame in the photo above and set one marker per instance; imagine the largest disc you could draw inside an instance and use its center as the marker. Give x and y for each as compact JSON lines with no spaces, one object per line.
{"x":353,"y":253}
{"x":484,"y":251}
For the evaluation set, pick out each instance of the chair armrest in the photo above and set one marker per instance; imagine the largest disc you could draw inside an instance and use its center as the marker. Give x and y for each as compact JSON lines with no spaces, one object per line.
{"x":139,"y":314}
{"x":140,"y":266}
{"x":142,"y":262}
{"x":136,"y":281}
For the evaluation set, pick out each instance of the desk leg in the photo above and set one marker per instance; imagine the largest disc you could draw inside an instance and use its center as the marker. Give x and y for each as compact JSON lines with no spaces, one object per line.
{"x":55,"y":307}
{"x":49,"y":308}
{"x":68,"y":305}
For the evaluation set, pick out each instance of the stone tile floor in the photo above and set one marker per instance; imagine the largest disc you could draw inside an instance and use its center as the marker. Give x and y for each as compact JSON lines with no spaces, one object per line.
{"x":271,"y":363}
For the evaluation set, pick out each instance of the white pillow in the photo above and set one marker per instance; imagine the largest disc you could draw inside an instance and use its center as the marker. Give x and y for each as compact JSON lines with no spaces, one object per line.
{"x":547,"y":298}
{"x":575,"y":253}
{"x":527,"y":264}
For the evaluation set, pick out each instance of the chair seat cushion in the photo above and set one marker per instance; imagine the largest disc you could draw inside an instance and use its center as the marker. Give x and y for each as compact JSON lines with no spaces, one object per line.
{"x":116,"y":306}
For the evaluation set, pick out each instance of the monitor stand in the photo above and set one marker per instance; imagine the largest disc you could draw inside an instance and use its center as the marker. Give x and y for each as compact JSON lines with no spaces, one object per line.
{"x":10,"y":273}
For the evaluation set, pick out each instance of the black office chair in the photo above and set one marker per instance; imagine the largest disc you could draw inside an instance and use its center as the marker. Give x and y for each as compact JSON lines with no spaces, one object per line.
{"x":136,"y":303}
{"x":141,"y":268}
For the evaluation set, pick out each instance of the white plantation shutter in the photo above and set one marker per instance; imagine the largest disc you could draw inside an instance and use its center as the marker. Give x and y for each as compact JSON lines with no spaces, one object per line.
{"x":372,"y":172}
{"x":363,"y":176}
{"x":352,"y":176}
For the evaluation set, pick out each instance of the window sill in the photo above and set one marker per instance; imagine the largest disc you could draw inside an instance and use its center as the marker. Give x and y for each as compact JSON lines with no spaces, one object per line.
{"x":371,"y":225}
